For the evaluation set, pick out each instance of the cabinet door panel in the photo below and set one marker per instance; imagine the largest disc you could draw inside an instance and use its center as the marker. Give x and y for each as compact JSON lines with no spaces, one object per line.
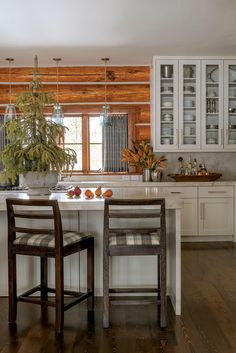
{"x":189,"y":104}
{"x":189,"y":219}
{"x":230,"y":104}
{"x":216,"y":216}
{"x":212,"y":105}
{"x":165,"y":108}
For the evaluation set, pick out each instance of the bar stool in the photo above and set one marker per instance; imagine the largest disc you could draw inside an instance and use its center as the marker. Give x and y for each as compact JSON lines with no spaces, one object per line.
{"x":45,"y":243}
{"x":135,"y":239}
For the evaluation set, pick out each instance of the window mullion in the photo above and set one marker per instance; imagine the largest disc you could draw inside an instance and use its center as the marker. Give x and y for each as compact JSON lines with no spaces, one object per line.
{"x":85,"y":137}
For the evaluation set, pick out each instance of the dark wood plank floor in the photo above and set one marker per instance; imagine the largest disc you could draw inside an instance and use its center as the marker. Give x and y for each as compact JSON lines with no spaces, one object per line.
{"x":207,"y":323}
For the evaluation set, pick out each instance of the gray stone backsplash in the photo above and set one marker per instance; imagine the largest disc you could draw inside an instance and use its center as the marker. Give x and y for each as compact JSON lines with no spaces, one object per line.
{"x":218,"y":162}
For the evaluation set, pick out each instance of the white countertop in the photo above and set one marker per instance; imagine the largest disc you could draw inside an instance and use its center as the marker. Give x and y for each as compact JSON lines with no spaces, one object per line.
{"x":82,"y":203}
{"x":134,"y":183}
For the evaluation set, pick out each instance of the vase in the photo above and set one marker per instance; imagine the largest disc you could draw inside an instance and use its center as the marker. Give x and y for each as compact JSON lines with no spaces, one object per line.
{"x":156,"y":175}
{"x":147,"y":174}
{"x":39,"y":183}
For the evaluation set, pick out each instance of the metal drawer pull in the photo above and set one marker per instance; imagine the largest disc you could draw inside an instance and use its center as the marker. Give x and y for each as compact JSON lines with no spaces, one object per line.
{"x":217,"y":192}
{"x":176,"y":192}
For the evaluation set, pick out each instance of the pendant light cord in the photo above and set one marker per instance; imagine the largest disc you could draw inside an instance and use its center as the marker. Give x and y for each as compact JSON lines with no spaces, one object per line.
{"x":9,"y":76}
{"x":57,"y":60}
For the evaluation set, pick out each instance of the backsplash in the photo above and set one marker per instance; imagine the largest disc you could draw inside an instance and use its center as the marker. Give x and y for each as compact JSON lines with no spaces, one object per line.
{"x":219,"y":162}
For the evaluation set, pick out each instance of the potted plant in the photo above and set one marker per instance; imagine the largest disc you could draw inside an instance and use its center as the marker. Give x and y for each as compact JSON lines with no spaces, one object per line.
{"x":32,"y":142}
{"x":143,"y":157}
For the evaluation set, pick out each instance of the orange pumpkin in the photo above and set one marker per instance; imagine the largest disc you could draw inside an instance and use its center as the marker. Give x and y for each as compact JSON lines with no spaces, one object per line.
{"x":107,"y":193}
{"x":89,"y":194}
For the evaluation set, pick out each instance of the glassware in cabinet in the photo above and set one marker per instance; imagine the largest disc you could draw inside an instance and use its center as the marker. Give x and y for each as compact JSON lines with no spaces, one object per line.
{"x":230,"y":104}
{"x":212,"y":104}
{"x":189,"y":104}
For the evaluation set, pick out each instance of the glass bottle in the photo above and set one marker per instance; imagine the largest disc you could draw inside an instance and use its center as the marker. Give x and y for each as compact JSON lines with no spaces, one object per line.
{"x":194,"y":167}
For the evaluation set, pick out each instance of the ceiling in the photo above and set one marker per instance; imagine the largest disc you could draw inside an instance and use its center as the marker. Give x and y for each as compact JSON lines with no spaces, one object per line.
{"x":130,"y":32}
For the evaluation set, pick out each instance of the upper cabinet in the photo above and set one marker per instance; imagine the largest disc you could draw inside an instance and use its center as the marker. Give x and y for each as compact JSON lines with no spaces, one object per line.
{"x":193,"y":104}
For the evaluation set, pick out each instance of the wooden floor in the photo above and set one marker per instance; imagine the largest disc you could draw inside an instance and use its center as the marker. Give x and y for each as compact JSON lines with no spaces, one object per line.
{"x":207,"y":324}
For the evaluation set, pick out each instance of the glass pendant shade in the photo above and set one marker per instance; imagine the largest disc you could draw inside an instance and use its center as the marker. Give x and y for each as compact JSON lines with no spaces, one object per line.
{"x":57,"y":114}
{"x":10,"y":113}
{"x":105,"y":118}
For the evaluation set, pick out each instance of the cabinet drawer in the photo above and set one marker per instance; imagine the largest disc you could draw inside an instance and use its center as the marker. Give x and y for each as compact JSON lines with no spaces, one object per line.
{"x":183,"y":192}
{"x":216,"y":191}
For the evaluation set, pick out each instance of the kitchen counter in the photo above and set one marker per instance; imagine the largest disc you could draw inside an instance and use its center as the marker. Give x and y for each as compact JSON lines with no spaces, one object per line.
{"x":88,"y":216}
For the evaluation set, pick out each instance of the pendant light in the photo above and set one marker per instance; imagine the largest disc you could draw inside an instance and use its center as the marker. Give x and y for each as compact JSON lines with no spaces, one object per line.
{"x":105,"y":113}
{"x":57,"y":114}
{"x":10,"y":112}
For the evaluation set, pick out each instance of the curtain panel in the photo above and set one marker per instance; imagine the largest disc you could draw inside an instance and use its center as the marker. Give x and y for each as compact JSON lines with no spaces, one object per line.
{"x":115,"y":139}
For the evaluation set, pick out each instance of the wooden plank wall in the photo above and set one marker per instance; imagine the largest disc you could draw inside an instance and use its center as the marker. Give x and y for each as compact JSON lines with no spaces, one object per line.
{"x":81,"y":89}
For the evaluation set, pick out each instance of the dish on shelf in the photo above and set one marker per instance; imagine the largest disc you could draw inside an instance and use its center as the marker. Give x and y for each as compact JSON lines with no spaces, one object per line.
{"x":168,"y":89}
{"x":167,"y":117}
{"x":233,"y":127}
{"x":188,"y":103}
{"x":232,"y":141}
{"x":166,"y":141}
{"x":211,"y":141}
{"x":213,"y":75}
{"x":189,"y":117}
{"x":189,"y":89}
{"x":167,"y":104}
{"x":208,"y":177}
{"x":212,"y":127}
{"x":232,"y":75}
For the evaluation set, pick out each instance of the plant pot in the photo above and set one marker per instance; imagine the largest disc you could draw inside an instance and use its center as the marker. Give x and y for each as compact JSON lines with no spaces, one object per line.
{"x":147,"y":174}
{"x":39,"y":183}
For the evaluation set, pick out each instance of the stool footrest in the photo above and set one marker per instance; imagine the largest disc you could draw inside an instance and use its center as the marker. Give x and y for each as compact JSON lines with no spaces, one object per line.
{"x":80,"y":296}
{"x":134,"y":302}
{"x":134,"y":290}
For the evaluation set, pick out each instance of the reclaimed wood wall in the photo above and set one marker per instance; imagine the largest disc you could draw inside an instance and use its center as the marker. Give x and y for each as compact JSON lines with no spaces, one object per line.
{"x":81,"y":90}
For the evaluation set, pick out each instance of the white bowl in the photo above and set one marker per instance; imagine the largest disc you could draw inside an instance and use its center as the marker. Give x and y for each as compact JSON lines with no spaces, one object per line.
{"x":188,"y":103}
{"x":189,"y":117}
{"x":167,"y":104}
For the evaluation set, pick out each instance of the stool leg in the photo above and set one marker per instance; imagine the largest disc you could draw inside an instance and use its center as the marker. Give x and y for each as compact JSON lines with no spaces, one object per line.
{"x":105,"y":290}
{"x":158,"y":276}
{"x":12,"y":295}
{"x":163,"y":291}
{"x":44,"y":278}
{"x":90,"y":274}
{"x":59,"y":295}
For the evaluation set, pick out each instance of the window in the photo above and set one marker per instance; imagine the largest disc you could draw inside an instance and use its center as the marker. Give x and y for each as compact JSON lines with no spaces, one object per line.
{"x":84,"y":135}
{"x":97,"y":148}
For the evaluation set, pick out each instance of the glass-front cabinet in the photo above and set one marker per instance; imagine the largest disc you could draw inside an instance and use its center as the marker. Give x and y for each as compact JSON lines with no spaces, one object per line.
{"x":212,"y":104}
{"x":230,"y":104}
{"x":165,"y":92}
{"x":194,"y":104}
{"x":189,"y":104}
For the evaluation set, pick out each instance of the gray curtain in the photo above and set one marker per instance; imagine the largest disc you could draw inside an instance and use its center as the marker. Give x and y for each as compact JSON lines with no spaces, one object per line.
{"x":115,"y":139}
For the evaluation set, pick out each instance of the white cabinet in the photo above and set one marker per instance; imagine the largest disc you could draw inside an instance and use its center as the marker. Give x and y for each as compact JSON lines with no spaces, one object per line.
{"x":189,"y":212}
{"x":216,"y":211}
{"x":193,"y":104}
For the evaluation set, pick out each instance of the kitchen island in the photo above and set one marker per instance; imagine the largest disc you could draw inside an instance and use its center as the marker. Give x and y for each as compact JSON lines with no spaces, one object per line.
{"x":87,"y":215}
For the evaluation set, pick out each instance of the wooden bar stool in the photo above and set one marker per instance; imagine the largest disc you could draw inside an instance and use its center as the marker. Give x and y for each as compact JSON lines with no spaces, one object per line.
{"x":45,"y":243}
{"x":135,"y":239}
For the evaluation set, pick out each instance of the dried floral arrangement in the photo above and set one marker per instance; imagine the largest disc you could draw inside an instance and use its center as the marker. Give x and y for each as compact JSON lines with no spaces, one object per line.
{"x":142,"y":156}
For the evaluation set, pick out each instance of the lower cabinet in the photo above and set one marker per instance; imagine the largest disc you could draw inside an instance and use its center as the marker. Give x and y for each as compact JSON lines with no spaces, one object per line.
{"x":207,"y":210}
{"x":216,"y":210}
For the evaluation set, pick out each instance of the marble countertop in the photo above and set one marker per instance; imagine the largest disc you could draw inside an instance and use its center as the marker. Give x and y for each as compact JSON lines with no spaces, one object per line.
{"x":134,"y":183}
{"x":82,"y":203}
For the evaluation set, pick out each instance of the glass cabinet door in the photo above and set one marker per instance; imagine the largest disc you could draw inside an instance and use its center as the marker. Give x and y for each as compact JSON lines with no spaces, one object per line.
{"x":166,"y":106}
{"x":230,"y":104}
{"x":212,"y":104}
{"x":189,"y":104}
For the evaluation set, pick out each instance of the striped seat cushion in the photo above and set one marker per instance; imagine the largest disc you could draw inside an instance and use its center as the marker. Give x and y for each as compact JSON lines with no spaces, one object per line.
{"x":134,"y":238}
{"x":48,"y":240}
